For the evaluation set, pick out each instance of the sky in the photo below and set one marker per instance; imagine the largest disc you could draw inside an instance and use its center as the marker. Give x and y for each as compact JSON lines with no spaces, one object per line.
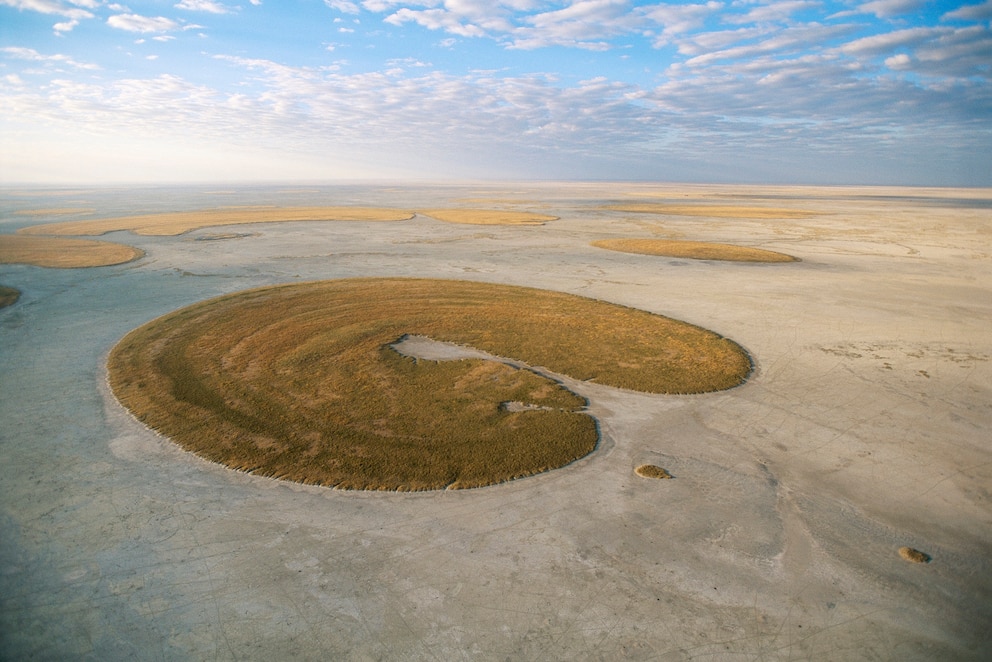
{"x":889,"y":92}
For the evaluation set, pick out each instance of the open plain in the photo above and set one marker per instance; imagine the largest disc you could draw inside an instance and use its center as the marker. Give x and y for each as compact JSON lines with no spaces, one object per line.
{"x":861,"y":432}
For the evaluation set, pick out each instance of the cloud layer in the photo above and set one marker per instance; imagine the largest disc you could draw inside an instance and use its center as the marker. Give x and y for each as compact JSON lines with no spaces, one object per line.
{"x":794,"y":90}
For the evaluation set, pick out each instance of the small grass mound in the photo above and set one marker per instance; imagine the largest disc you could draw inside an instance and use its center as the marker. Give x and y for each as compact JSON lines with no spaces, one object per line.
{"x":713,"y":211}
{"x":8,"y":296}
{"x":488,"y":216}
{"x":63,"y":253}
{"x":696,"y":250}
{"x":914,"y":555}
{"x":651,"y":471}
{"x":175,"y":223}
{"x":301,"y":382}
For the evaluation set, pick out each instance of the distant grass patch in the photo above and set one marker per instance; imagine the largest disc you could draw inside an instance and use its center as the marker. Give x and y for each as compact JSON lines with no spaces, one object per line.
{"x":8,"y":296}
{"x":63,"y":253}
{"x":914,"y":555}
{"x":488,"y":216}
{"x":714,"y":211}
{"x":696,"y":250}
{"x":651,"y":471}
{"x":175,"y":223}
{"x":299,"y":381}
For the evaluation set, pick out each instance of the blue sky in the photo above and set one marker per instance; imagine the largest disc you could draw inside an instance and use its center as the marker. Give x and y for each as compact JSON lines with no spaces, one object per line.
{"x":787,"y":91}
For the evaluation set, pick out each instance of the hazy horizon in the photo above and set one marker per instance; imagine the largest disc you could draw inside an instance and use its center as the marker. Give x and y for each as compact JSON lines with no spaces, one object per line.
{"x":789,"y":92}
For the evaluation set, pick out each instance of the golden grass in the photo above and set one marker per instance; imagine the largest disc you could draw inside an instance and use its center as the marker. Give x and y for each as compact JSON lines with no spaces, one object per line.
{"x":63,"y":253}
{"x":8,"y":296}
{"x":914,"y":555}
{"x":57,"y":211}
{"x":488,"y":216}
{"x":175,"y":223}
{"x":713,"y":211}
{"x":696,"y":250}
{"x":651,"y":471}
{"x":300,"y":382}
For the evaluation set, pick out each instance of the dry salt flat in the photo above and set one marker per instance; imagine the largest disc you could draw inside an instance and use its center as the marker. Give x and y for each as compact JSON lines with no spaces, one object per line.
{"x":863,"y":430}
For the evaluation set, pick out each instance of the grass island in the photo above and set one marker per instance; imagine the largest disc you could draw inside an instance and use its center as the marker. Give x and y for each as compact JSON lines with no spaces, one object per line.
{"x":302,"y":382}
{"x":695,"y":250}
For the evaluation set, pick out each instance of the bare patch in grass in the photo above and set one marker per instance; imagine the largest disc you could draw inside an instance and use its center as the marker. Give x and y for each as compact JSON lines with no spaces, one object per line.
{"x":8,"y":296}
{"x":488,"y":216}
{"x":303,"y":382}
{"x":651,"y":471}
{"x":713,"y":211}
{"x":179,"y":222}
{"x":914,"y":555}
{"x":697,"y":250}
{"x":63,"y":253}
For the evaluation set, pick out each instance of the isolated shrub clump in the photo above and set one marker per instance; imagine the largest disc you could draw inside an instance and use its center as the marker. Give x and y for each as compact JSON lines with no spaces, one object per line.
{"x":300,"y":381}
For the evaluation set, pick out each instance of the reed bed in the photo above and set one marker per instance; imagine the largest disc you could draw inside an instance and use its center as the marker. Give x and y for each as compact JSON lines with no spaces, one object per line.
{"x":8,"y":296}
{"x":299,"y":382}
{"x":175,"y":223}
{"x":63,"y":253}
{"x":696,"y":250}
{"x":713,"y":211}
{"x":488,"y":216}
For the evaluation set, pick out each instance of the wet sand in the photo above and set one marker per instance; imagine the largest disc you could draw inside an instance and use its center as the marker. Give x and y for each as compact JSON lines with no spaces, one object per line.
{"x":863,"y":431}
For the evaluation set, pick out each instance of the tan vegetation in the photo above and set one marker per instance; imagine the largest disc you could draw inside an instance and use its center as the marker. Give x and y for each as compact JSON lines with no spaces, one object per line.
{"x":179,"y":222}
{"x":8,"y":296}
{"x":300,"y":382}
{"x":651,"y":471}
{"x":488,"y":216}
{"x":56,"y":211}
{"x":714,"y":211}
{"x":914,"y":555}
{"x":63,"y":253}
{"x":696,"y":250}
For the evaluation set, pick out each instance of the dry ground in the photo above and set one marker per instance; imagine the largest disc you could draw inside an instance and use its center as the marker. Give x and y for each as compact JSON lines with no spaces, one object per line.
{"x":862,"y":430}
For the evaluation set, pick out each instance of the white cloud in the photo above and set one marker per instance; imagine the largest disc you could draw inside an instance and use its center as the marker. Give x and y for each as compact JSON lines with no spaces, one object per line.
{"x":53,"y":7}
{"x":136,"y":23}
{"x":208,"y":6}
{"x":982,"y":12}
{"x":344,"y":6}
{"x":889,"y":8}
{"x":774,"y":12}
{"x":30,"y":54}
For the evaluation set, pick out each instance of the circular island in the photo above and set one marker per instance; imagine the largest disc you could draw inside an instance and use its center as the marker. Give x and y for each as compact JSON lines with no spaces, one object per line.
{"x":302,"y":382}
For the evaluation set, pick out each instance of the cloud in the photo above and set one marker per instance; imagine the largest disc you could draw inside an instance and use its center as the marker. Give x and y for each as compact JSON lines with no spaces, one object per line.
{"x":890,"y":8}
{"x":982,"y":12}
{"x":53,"y":7}
{"x":21,"y":53}
{"x":344,"y":6}
{"x":208,"y":6}
{"x":136,"y":23}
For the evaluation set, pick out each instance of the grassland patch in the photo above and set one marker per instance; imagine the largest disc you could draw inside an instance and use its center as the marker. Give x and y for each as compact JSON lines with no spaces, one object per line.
{"x":8,"y":296}
{"x":301,"y":382}
{"x":696,"y":250}
{"x":652,"y":471}
{"x":488,"y":216}
{"x":914,"y":555}
{"x":63,"y":253}
{"x":713,"y":211}
{"x":175,"y":223}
